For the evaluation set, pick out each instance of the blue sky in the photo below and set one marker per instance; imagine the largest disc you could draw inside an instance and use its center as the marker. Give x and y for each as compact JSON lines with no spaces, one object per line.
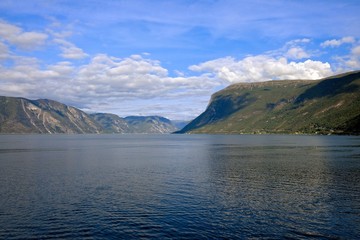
{"x":157,"y":57}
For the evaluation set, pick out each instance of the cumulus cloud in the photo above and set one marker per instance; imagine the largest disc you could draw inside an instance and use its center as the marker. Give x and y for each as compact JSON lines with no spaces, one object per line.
{"x":297,"y":53}
{"x":21,"y":39}
{"x":69,"y":50}
{"x":263,"y":68}
{"x":337,"y":42}
{"x":136,"y":76}
{"x":294,"y":49}
{"x":106,"y":82}
{"x":351,"y":61}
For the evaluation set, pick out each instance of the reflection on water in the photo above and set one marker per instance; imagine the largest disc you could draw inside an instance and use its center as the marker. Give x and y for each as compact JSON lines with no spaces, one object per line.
{"x":179,"y":186}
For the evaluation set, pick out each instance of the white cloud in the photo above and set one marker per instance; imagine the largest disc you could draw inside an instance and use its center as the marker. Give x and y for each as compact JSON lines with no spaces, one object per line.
{"x":352,"y":61}
{"x":298,"y":41}
{"x":263,"y":68}
{"x":24,"y":40}
{"x":69,"y":50}
{"x":106,"y":83}
{"x":297,"y":53}
{"x":136,"y":76}
{"x":356,"y":51}
{"x":4,"y":51}
{"x":294,"y":49}
{"x":337,"y":42}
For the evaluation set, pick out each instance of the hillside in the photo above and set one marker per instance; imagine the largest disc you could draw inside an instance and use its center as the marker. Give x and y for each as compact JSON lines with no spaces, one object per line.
{"x":328,"y":106}
{"x":20,"y":115}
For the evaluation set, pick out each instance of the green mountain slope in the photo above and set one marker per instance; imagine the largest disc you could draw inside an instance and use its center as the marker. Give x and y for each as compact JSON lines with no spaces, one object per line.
{"x":20,"y":115}
{"x":328,"y":106}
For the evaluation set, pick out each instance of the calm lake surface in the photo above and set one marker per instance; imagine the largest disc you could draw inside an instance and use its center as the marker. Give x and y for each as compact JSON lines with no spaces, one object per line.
{"x":179,"y":186}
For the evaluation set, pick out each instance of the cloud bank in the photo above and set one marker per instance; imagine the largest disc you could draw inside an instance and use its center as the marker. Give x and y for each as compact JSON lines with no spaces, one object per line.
{"x":139,"y":84}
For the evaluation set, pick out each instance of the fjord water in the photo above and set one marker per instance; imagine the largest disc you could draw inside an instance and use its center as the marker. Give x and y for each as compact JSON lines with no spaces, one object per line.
{"x":179,"y":186}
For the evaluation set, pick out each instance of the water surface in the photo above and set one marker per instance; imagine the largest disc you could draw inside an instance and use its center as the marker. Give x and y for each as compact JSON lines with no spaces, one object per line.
{"x":179,"y":186}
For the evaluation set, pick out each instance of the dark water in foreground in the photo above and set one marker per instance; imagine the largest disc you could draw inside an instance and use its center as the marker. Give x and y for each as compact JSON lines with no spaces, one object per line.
{"x":179,"y":186}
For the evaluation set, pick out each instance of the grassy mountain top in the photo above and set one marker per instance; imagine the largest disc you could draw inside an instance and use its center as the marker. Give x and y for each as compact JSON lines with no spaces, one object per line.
{"x":327,"y":106}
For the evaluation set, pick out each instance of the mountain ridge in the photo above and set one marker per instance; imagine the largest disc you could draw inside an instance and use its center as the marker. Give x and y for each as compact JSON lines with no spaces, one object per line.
{"x":45,"y":116}
{"x":21,"y":115}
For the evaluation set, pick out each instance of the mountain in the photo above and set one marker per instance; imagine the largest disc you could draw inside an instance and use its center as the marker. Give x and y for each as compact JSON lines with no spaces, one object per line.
{"x":111,"y":123}
{"x":327,"y":106}
{"x":134,"y":124}
{"x":150,"y":124}
{"x":20,"y":115}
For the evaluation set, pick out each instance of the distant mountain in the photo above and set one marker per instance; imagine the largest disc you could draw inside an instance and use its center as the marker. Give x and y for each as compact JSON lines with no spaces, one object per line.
{"x":20,"y":115}
{"x":328,"y":106}
{"x":111,"y":123}
{"x":134,"y":124}
{"x":150,"y":124}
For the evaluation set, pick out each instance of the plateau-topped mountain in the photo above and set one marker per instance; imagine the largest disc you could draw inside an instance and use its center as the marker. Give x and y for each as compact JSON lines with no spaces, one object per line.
{"x":20,"y":115}
{"x":327,"y":106}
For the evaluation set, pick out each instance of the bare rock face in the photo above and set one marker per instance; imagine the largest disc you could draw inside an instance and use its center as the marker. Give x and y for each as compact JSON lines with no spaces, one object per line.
{"x":150,"y":124}
{"x":20,"y":115}
{"x":111,"y":123}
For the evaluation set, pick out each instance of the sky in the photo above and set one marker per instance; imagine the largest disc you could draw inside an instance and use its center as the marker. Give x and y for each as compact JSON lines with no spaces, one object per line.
{"x":167,"y":57}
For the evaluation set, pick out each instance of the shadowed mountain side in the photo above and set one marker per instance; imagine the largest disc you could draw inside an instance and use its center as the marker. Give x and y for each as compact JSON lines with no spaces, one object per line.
{"x":328,"y":106}
{"x":220,"y":108}
{"x":343,"y":83}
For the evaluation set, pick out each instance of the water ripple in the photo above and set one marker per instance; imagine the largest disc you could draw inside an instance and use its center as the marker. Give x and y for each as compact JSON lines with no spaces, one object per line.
{"x":166,"y":187}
